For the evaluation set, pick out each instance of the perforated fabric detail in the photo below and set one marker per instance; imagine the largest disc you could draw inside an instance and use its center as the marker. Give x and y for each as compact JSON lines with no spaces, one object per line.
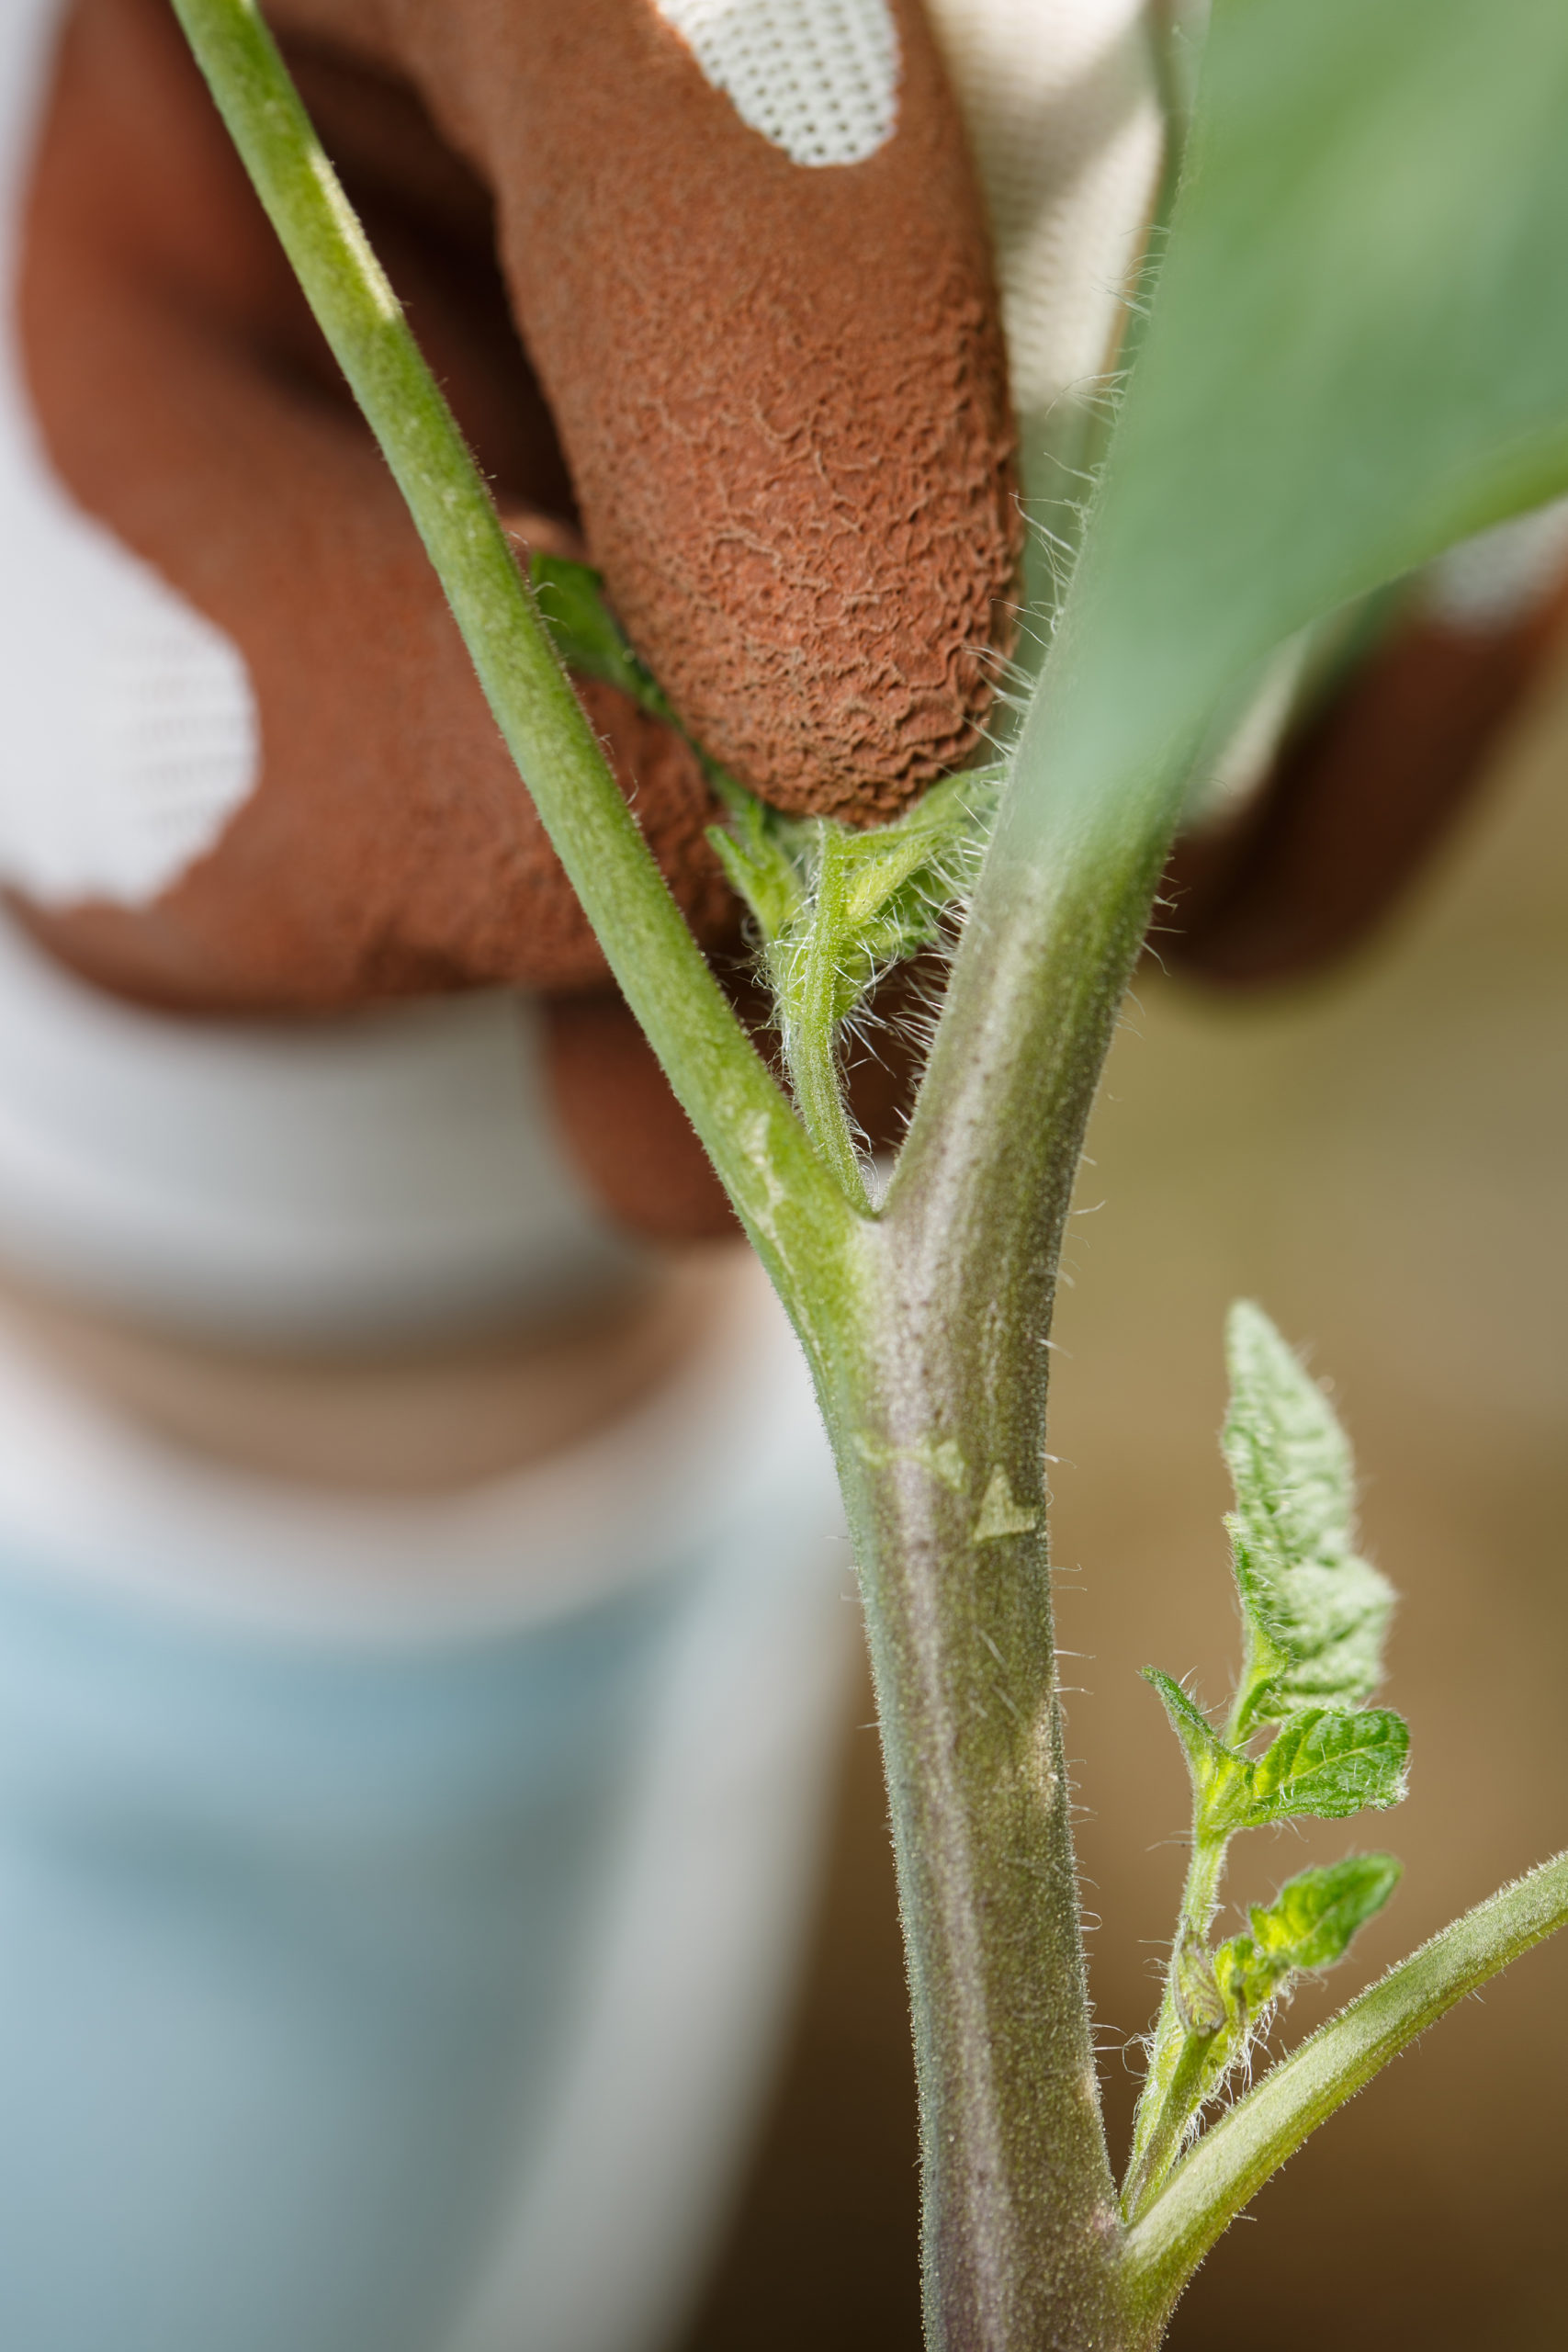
{"x":129,"y":733}
{"x":819,"y":78}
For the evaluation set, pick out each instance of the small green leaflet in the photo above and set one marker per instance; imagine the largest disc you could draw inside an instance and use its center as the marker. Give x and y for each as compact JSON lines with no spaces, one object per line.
{"x":1208,"y":1758}
{"x":1325,"y":1763}
{"x":761,"y":864}
{"x":1220,"y":1775}
{"x":1308,"y":1927}
{"x":585,"y":632}
{"x":1328,"y":1762}
{"x":1312,"y":1920}
{"x":1314,"y":1612}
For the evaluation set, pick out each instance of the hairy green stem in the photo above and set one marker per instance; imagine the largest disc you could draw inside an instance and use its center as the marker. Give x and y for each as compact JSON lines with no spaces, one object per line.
{"x":1021,"y":2220}
{"x":1172,"y":2084}
{"x":1183,"y":2092}
{"x":811,"y":1030}
{"x":1237,"y":2155}
{"x":796,"y":1214}
{"x":1175,"y":2075}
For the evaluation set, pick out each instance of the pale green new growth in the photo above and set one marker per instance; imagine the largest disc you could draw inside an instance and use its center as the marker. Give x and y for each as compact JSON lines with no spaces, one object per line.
{"x":1307,"y":1926}
{"x":1314,"y":1616}
{"x":834,"y":908}
{"x":1315,"y":1613}
{"x":1325,"y":1763}
{"x":1263,"y":2129}
{"x":1224,"y":1999}
{"x":862,"y":902}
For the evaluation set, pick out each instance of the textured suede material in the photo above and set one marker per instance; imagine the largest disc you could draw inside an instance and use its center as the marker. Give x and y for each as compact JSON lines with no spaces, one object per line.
{"x":770,"y":399}
{"x":187,"y":401}
{"x":783,"y":398}
{"x":782,"y":391}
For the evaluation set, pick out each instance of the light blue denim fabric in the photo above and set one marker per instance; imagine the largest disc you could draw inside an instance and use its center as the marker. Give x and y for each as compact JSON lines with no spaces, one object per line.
{"x":288,"y":1942}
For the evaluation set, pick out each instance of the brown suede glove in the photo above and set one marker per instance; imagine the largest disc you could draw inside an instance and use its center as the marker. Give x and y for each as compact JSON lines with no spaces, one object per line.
{"x":1366,"y":788}
{"x":772,"y":411}
{"x":780,"y":394}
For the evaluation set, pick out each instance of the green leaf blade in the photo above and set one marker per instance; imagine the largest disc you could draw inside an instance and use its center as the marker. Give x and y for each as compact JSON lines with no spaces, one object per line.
{"x":1356,"y":354}
{"x":1327,"y":1763}
{"x":1316,"y":1613}
{"x":1314,"y":1918}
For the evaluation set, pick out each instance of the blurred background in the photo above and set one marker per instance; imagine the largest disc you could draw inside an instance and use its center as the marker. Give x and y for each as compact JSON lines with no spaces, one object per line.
{"x":1380,"y":1162}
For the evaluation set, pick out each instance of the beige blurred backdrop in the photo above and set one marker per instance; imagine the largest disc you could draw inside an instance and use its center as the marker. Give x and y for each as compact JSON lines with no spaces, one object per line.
{"x":1383,"y":1163}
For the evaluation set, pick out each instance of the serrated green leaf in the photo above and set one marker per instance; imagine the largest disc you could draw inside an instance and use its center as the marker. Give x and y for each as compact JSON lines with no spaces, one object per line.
{"x":1315,"y":1613}
{"x":1326,"y":1762}
{"x":1308,"y":1927}
{"x":1312,"y":1920}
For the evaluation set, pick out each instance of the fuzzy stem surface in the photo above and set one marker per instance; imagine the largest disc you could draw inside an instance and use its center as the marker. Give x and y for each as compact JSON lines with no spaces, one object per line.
{"x":810,"y":1034}
{"x":946,"y":1484}
{"x":1175,"y":2070}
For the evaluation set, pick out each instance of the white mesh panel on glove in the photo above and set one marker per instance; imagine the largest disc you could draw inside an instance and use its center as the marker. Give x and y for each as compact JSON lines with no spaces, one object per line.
{"x":818,"y":77}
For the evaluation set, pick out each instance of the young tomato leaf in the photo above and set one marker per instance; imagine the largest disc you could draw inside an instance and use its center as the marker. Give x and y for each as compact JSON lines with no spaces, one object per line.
{"x":1312,"y":1920}
{"x":863,"y":900}
{"x":1327,"y":1762}
{"x":1219,"y":1774}
{"x":760,"y":867}
{"x":894,"y":881}
{"x":1308,"y":1927}
{"x":1314,"y":1612}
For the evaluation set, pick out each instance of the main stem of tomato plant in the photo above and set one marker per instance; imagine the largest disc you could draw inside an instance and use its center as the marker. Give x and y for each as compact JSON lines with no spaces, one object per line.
{"x":941,"y":1452}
